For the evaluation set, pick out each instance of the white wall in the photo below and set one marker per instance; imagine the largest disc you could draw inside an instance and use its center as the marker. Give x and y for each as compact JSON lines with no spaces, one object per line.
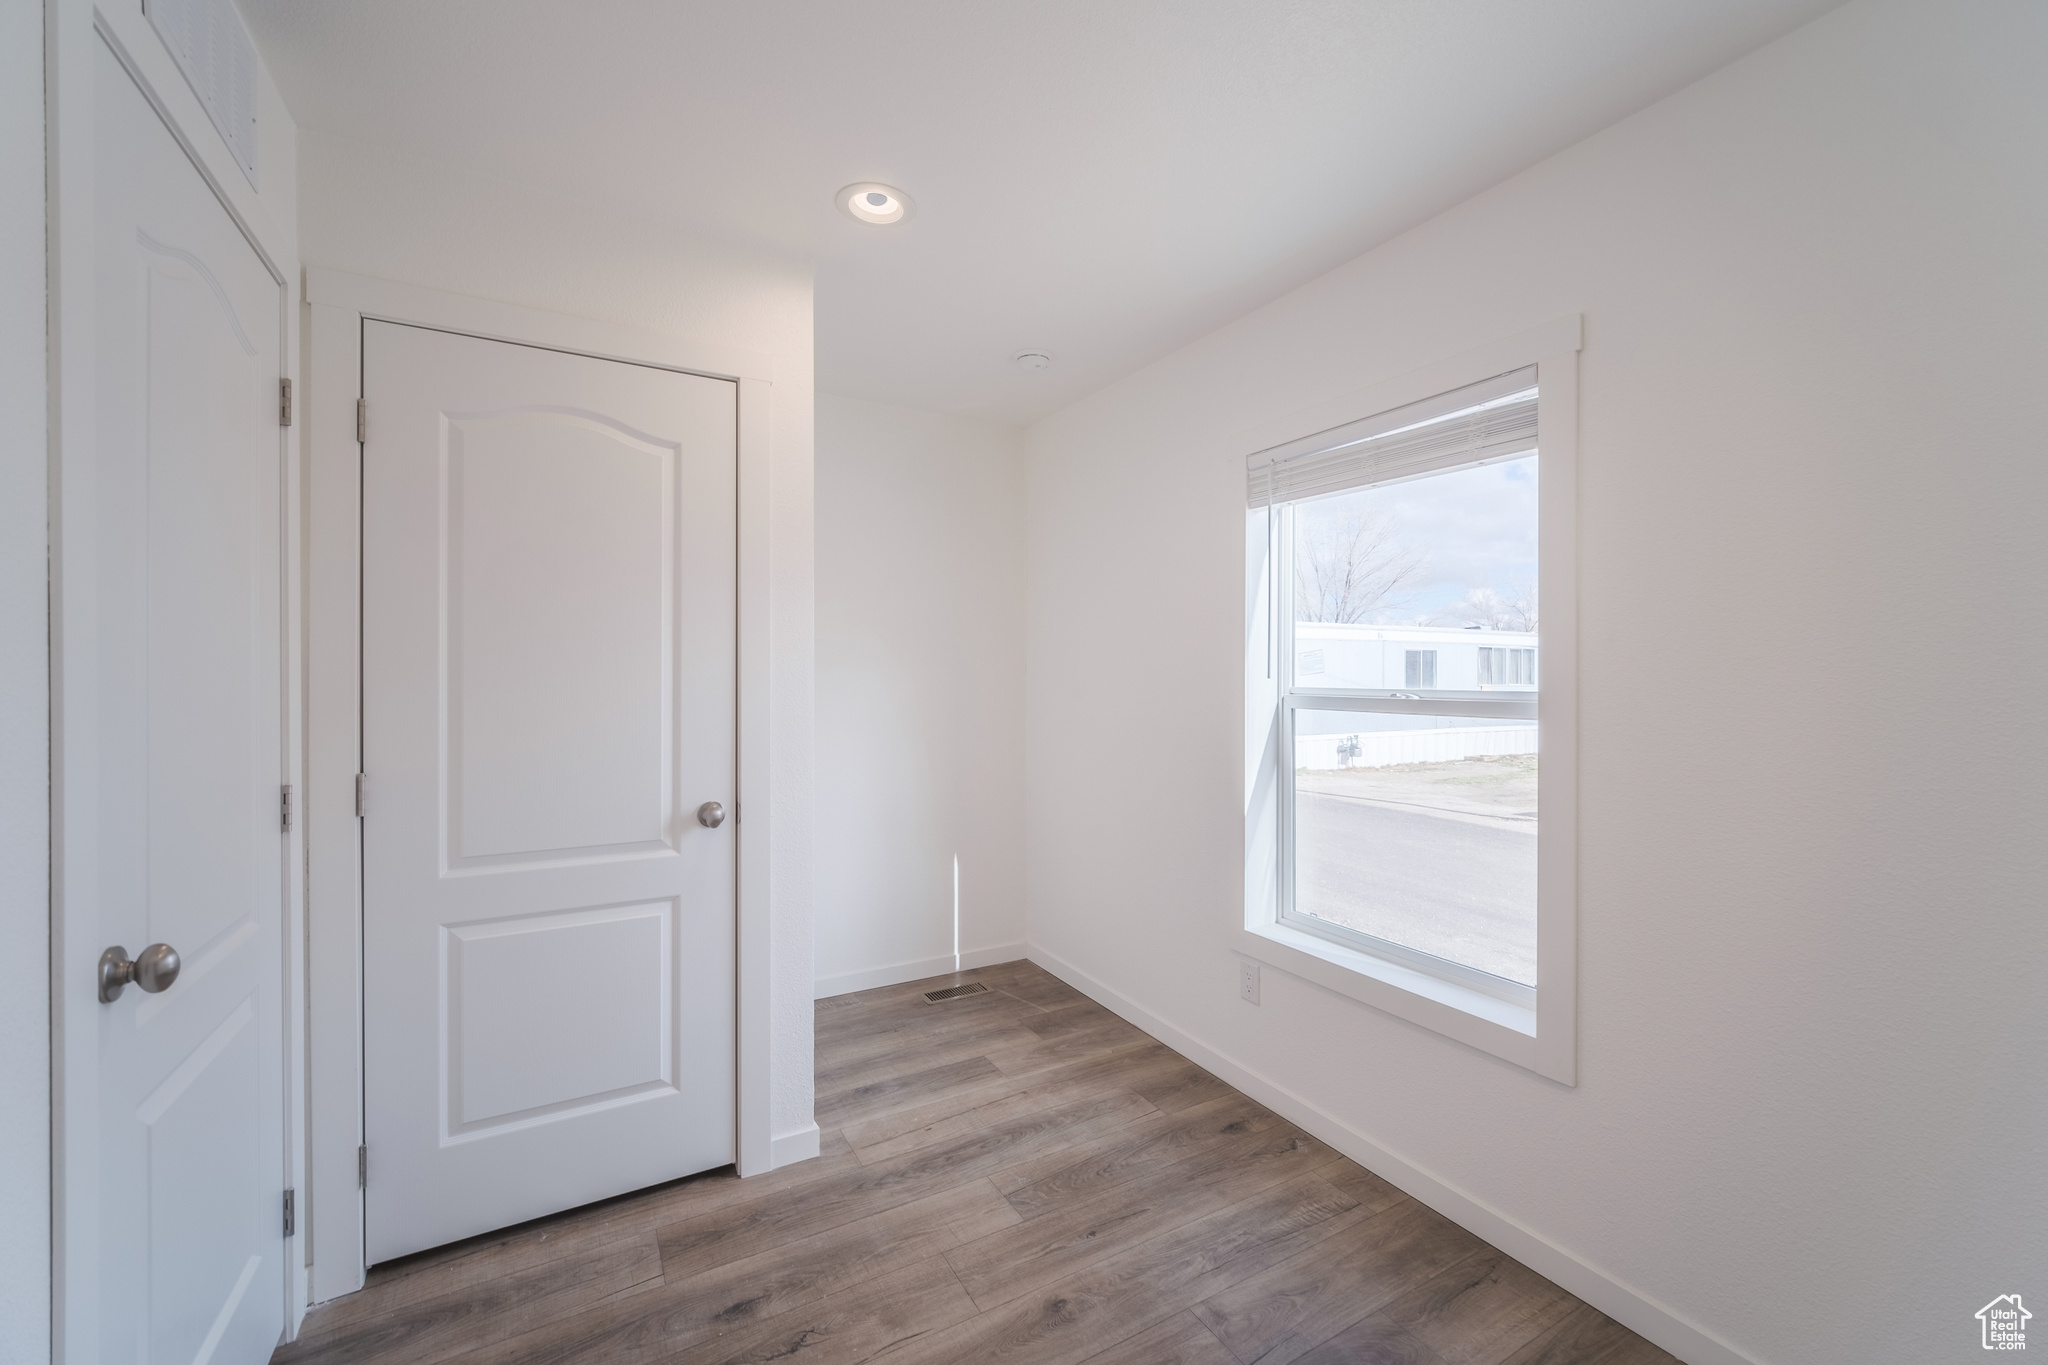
{"x":24,"y":702}
{"x":378,"y":212}
{"x":920,"y":692}
{"x":1810,"y":1117}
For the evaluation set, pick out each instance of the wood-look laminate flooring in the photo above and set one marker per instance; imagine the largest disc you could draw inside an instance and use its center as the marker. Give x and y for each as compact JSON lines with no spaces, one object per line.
{"x":1018,"y":1176}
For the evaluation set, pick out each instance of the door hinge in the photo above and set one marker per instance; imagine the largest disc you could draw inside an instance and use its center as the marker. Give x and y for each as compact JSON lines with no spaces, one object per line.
{"x":362,"y":1168}
{"x":291,"y":1218}
{"x":360,"y":784}
{"x":284,"y":402}
{"x":284,"y":808}
{"x":362,"y":421}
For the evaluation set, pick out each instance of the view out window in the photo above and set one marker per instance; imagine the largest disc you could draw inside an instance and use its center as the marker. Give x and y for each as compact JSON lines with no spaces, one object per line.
{"x":1408,"y":571}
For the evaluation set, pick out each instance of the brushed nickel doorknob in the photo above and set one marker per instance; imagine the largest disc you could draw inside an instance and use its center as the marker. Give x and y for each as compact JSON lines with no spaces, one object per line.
{"x":154,"y":970}
{"x":711,"y":815}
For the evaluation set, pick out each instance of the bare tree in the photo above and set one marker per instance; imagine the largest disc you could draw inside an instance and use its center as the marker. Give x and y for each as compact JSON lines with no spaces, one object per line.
{"x":1348,"y":565}
{"x":1513,"y":610}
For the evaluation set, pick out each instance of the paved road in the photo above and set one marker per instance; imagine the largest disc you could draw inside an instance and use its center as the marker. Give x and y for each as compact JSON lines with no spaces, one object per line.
{"x":1462,"y":889}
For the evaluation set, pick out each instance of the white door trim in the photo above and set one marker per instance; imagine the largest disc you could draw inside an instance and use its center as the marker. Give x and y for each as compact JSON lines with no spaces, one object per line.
{"x":74,"y":28}
{"x":494,"y":321}
{"x":336,"y":305}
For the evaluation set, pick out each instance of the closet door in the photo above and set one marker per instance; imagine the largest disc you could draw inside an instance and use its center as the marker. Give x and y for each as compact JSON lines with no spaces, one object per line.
{"x":548,"y":677}
{"x":186,"y":754}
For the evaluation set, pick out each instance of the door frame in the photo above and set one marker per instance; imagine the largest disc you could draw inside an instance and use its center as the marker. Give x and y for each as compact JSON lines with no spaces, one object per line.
{"x":335,"y":308}
{"x":74,"y":29}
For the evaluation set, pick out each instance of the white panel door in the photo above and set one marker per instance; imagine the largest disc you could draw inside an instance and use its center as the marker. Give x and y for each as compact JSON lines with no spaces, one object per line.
{"x":187,"y":721}
{"x":549,"y":611}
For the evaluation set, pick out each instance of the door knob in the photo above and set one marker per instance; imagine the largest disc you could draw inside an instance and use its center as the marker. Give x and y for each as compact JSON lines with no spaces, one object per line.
{"x":711,"y":815}
{"x":154,"y":970}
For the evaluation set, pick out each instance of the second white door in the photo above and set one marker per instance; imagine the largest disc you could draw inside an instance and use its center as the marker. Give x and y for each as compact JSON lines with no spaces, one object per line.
{"x":548,"y":701}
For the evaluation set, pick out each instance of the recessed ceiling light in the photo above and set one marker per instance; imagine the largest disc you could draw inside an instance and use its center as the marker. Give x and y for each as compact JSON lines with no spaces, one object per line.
{"x":1032,"y":360}
{"x":876,"y":204}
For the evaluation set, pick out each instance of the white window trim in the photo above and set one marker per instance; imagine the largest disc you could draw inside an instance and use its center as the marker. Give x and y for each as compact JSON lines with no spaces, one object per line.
{"x":1541,"y":1036}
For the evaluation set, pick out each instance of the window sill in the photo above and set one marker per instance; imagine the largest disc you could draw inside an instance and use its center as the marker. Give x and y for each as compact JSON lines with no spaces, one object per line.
{"x":1473,"y":1017}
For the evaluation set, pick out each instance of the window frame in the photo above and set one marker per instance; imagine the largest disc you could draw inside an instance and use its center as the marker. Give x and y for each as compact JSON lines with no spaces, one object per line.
{"x":1531,"y":1027}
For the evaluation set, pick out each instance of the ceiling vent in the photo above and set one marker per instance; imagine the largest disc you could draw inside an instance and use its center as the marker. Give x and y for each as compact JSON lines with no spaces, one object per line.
{"x":207,"y":40}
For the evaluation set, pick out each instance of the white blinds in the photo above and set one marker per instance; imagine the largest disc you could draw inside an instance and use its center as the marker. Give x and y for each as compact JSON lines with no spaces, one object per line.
{"x":1491,"y":420}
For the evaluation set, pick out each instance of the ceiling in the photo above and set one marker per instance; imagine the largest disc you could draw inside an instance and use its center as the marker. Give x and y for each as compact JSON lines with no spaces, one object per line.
{"x":1103,"y":180}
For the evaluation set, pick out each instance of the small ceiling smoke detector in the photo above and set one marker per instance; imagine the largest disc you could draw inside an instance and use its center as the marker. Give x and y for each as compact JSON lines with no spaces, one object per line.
{"x":876,"y":204}
{"x":1032,"y":360}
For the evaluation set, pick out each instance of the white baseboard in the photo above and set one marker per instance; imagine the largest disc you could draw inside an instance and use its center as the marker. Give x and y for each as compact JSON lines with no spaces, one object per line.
{"x":791,"y":1148}
{"x":898,"y":973}
{"x":1626,"y":1305}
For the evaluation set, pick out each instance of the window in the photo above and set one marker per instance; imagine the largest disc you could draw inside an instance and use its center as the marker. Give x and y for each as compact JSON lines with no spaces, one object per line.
{"x":1395,"y":827}
{"x":1506,"y":667}
{"x":1410,"y":824}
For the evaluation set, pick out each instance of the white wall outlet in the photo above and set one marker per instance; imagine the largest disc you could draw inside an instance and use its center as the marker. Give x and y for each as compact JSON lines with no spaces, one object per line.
{"x":1248,"y":981}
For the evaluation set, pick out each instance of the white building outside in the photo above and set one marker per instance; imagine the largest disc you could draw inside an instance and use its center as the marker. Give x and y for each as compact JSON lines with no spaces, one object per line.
{"x":1378,"y":658}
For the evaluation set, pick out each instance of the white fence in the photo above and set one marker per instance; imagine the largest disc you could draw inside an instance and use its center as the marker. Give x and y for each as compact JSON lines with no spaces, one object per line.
{"x":1385,"y":748}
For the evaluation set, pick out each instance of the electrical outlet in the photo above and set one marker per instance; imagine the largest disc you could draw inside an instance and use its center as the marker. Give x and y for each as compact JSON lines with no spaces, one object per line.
{"x":1248,"y":981}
